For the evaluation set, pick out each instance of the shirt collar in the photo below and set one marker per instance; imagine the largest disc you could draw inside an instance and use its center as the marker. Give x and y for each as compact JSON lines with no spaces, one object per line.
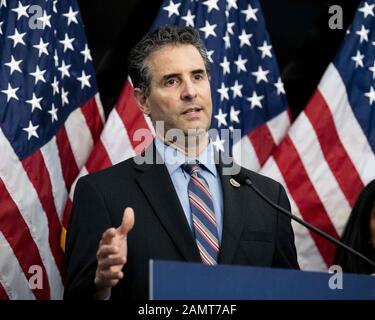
{"x":174,"y":158}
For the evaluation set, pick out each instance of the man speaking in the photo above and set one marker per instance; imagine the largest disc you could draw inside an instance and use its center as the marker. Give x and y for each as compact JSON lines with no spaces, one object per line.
{"x":180,"y":206}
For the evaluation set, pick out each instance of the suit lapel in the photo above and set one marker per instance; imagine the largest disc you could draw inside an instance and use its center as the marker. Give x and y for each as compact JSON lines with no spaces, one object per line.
{"x":233,"y":215}
{"x":157,"y":185}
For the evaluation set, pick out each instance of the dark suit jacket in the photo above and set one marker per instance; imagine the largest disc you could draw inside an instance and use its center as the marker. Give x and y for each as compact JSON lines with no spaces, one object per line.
{"x":254,"y":233}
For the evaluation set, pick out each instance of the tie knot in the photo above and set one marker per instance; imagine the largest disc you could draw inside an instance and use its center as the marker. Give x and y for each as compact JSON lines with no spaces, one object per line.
{"x":191,"y":168}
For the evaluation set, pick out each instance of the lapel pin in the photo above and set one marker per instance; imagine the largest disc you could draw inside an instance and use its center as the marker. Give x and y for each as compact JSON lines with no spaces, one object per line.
{"x":234,"y":183}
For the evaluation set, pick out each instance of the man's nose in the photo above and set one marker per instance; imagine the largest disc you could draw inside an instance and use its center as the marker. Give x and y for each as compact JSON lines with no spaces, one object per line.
{"x":189,"y":91}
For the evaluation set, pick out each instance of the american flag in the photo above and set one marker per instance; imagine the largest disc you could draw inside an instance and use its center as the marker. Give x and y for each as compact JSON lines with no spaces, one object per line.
{"x":328,"y":155}
{"x":50,"y":118}
{"x":246,"y":87}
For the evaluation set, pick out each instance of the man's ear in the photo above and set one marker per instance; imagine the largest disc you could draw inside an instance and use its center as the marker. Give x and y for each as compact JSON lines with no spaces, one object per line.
{"x":142,"y":101}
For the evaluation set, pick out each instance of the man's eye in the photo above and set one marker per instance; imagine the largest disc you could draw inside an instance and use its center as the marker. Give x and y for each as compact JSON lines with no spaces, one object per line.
{"x":198,"y":76}
{"x":170,"y":82}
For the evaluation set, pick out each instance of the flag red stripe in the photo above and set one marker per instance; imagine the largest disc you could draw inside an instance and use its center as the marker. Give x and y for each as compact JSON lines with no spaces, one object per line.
{"x":37,"y":172}
{"x":334,"y":152}
{"x":305,"y":196}
{"x":3,"y":294}
{"x":69,"y":166}
{"x":263,"y":143}
{"x":133,"y":118}
{"x":98,"y":159}
{"x":91,"y":113}
{"x":17,"y":233}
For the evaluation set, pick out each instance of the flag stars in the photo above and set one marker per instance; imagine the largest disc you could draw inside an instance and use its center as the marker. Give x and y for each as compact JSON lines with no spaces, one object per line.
{"x":234,"y":115}
{"x":211,"y":5}
{"x":231,"y":4}
{"x":14,"y":65}
{"x":223,"y":92}
{"x":10,"y":92}
{"x":219,"y":144}
{"x":363,"y":34}
{"x":372,"y":69}
{"x":209,"y":55}
{"x":53,"y":113}
{"x":1,"y":27}
{"x":209,"y":30}
{"x":21,"y":11}
{"x":72,"y":16}
{"x":237,"y":89}
{"x":17,"y":38}
{"x":230,"y":26}
{"x":86,"y":53}
{"x":55,"y":86}
{"x":358,"y":58}
{"x":240,"y":63}
{"x":226,"y":40}
{"x":260,"y":74}
{"x":250,"y":13}
{"x":56,"y":58}
{"x":367,"y":10}
{"x":225,"y":65}
{"x":67,"y":43}
{"x":172,"y":9}
{"x":84,"y":79}
{"x":265,"y":49}
{"x":245,"y":38}
{"x":255,"y":100}
{"x":45,"y":19}
{"x":371,"y":95}
{"x":42,"y":47}
{"x":64,"y":69}
{"x":189,"y":18}
{"x":279,"y":86}
{"x":64,"y":97}
{"x":35,"y":103}
{"x":38,"y":75}
{"x":31,"y":130}
{"x":221,"y":118}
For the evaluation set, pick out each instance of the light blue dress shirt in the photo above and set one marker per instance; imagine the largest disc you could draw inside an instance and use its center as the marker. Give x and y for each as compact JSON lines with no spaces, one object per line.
{"x":173,"y":160}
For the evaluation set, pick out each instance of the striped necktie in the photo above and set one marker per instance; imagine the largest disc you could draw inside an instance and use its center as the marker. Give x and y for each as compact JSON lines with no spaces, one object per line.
{"x":202,"y":210}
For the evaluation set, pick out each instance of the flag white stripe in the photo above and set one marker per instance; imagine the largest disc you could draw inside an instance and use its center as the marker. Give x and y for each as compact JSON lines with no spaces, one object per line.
{"x":350,"y":132}
{"x":309,"y":257}
{"x":12,"y":277}
{"x":27,"y":201}
{"x":278,"y":126}
{"x":79,"y":136}
{"x":100,"y":107}
{"x":120,"y":148}
{"x":52,"y":160}
{"x":325,"y":184}
{"x":245,"y":155}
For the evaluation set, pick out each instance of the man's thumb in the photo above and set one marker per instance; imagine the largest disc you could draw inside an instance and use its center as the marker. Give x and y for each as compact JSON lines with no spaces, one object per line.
{"x":127,"y":221}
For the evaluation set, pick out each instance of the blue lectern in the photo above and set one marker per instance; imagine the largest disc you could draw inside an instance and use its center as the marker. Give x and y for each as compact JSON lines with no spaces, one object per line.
{"x":194,"y":281}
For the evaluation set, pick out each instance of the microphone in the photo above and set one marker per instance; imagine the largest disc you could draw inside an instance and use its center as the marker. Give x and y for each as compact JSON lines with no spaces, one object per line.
{"x":243,"y":178}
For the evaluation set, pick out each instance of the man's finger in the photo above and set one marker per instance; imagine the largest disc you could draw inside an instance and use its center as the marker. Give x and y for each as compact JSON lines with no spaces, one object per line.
{"x":108,"y":235}
{"x":106,"y":250}
{"x":127,"y":222}
{"x":109,"y":262}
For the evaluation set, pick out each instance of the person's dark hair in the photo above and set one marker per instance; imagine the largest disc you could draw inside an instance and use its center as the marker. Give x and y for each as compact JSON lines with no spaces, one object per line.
{"x":357,"y":234}
{"x":163,"y":36}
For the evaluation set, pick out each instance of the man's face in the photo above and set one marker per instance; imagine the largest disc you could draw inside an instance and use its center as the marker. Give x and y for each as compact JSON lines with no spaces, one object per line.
{"x":180,"y":90}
